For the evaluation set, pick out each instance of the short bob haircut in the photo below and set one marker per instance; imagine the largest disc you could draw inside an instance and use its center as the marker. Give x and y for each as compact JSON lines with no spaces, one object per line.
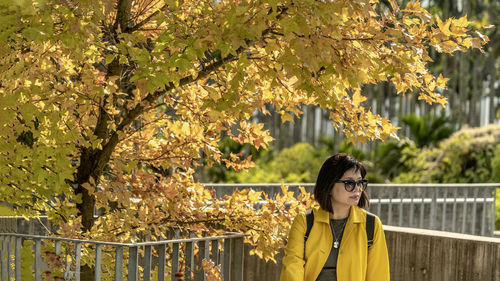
{"x":332,"y":170}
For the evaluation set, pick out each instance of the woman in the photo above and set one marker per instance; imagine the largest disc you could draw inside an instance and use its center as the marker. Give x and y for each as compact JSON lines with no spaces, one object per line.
{"x":337,"y":247}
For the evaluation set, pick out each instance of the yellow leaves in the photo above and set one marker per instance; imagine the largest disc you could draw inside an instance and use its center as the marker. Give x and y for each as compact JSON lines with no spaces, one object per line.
{"x":286,"y":117}
{"x":444,"y":26}
{"x":441,"y":81}
{"x":212,"y":272}
{"x":461,"y":22}
{"x":239,"y":164}
{"x":357,"y":98}
{"x":452,"y":36}
{"x":473,"y":43}
{"x":254,"y":134}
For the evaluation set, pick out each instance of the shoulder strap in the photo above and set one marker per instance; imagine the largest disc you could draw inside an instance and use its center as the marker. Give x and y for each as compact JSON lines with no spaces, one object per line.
{"x":310,"y":222}
{"x":370,"y":226}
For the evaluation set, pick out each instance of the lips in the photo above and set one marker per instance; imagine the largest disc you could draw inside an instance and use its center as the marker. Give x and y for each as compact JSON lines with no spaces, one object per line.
{"x":355,"y":197}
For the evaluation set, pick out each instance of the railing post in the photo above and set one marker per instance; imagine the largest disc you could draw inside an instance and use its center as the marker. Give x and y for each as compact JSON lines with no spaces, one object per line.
{"x":493,"y":210}
{"x":454,"y":212}
{"x":203,"y":247}
{"x":78,"y":250}
{"x":226,"y":265}
{"x":474,"y":211}
{"x":401,"y":204}
{"x":175,"y":261}
{"x":215,"y":251}
{"x":389,"y":218}
{"x":464,"y":210}
{"x":379,"y":206}
{"x":10,"y":247}
{"x":147,"y":263}
{"x":422,"y":207}
{"x":19,"y":245}
{"x":238,"y":258}
{"x":98,"y":258}
{"x":118,"y":263}
{"x":57,"y":247}
{"x":161,"y":262}
{"x":132,"y":263}
{"x":443,"y":219}
{"x":4,"y":265}
{"x":432,"y":216}
{"x":189,"y":261}
{"x":412,"y":208}
{"x":38,"y":260}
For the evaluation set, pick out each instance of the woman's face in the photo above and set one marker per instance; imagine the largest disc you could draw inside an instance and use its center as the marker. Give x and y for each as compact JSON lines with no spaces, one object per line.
{"x":340,"y":196}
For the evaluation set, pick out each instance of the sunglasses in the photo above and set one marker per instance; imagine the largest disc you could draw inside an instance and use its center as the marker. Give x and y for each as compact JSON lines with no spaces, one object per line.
{"x":350,"y":185}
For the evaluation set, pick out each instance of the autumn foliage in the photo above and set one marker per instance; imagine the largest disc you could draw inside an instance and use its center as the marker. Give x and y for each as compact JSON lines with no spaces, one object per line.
{"x":110,"y":105}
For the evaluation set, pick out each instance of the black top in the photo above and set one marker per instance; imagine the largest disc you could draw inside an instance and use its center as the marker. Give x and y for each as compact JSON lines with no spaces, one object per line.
{"x":329,"y":271}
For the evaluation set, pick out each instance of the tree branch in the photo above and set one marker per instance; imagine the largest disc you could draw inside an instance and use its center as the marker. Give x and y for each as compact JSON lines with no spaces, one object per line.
{"x":140,"y":107}
{"x":146,"y":20}
{"x":123,"y":14}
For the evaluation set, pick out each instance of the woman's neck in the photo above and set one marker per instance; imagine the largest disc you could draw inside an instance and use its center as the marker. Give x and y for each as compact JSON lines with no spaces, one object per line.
{"x":340,"y":212}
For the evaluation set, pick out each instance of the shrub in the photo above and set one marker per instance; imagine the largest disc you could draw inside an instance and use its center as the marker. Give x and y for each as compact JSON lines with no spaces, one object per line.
{"x":465,"y":157}
{"x":390,"y":159}
{"x":299,"y":163}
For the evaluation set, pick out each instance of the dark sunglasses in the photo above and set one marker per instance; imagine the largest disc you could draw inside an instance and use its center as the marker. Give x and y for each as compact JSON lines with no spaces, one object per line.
{"x":350,"y":185}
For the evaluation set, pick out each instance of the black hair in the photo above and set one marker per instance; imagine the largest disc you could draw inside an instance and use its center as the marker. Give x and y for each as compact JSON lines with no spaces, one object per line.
{"x":332,"y":170}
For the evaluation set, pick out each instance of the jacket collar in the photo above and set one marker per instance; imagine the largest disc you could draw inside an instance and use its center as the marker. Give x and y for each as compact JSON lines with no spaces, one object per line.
{"x":356,"y":215}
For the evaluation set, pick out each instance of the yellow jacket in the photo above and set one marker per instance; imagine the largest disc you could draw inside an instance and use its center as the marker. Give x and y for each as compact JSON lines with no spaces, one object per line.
{"x":355,"y":261}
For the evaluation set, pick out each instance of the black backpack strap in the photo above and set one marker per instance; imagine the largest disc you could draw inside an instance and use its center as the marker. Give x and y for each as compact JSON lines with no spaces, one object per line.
{"x":310,"y":222}
{"x":370,"y":227}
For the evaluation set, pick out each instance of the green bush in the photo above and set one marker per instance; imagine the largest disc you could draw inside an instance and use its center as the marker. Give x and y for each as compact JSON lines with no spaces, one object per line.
{"x":495,"y":165}
{"x":389,"y":159}
{"x":299,"y":163}
{"x":497,"y":216}
{"x":467,"y":156}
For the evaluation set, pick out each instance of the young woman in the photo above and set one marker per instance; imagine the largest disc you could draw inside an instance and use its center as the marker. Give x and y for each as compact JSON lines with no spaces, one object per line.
{"x":337,"y":246}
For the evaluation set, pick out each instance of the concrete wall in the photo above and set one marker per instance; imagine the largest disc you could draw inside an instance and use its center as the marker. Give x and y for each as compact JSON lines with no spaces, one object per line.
{"x":418,"y":255}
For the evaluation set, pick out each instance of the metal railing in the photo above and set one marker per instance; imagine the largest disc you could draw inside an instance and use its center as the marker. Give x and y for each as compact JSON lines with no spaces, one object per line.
{"x":164,"y":257}
{"x":462,"y":208}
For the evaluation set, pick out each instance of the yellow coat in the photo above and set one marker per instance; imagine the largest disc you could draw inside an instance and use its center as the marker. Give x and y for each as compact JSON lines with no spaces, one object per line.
{"x":355,"y":261}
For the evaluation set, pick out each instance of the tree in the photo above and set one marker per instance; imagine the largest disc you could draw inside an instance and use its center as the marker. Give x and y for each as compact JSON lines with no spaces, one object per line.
{"x":110,"y":105}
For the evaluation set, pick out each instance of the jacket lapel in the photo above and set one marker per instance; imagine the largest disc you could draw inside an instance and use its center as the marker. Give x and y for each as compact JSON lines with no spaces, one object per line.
{"x":355,"y":217}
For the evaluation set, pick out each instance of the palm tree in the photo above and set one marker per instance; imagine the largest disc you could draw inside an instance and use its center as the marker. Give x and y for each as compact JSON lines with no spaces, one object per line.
{"x":429,"y":129}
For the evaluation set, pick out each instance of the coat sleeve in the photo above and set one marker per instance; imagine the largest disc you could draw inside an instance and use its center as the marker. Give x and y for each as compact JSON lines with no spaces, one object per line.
{"x":293,"y":261}
{"x":378,"y":258}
